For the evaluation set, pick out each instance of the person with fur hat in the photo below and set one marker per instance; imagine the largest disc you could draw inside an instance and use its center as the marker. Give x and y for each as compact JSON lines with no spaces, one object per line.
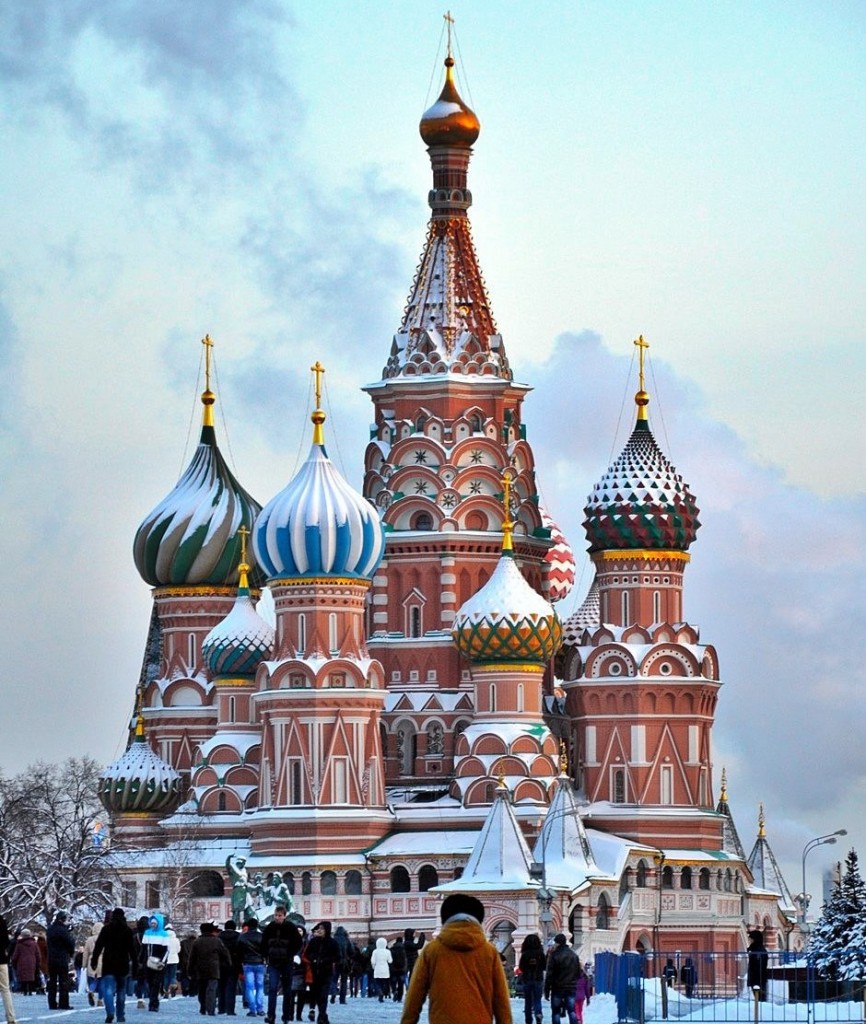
{"x":459,"y":971}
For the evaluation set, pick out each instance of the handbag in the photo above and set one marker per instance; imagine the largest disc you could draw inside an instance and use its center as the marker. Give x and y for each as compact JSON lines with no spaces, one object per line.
{"x":155,"y":963}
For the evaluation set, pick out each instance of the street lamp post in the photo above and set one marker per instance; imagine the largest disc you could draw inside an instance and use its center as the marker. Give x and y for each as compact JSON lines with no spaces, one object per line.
{"x":827,"y":840}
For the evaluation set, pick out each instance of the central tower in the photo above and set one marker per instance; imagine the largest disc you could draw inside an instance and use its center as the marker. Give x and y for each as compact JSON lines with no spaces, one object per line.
{"x":448,"y":423}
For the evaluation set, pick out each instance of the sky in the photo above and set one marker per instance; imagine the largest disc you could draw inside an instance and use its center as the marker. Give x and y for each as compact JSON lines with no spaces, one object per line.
{"x":251,"y":169}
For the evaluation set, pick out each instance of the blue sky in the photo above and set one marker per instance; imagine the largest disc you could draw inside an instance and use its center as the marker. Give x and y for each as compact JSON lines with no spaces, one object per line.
{"x":689,"y":171}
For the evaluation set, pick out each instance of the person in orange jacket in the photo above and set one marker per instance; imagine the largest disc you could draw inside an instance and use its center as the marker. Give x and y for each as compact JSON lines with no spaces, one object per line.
{"x":459,"y":971}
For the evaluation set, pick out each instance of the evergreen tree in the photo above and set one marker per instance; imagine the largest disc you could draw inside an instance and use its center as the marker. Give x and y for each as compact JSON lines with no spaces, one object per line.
{"x":838,"y":941}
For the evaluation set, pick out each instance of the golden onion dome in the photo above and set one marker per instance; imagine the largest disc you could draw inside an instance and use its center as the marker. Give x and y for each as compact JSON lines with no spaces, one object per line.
{"x":449,"y":122}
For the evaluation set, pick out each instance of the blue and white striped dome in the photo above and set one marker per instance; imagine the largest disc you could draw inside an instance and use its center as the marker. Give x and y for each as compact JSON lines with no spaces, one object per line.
{"x":318,"y":526}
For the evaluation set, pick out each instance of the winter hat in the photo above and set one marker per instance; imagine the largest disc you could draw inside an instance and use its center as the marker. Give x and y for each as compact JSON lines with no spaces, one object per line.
{"x":460,"y":903}
{"x":560,"y":939}
{"x":118,"y":915}
{"x":326,"y":925}
{"x":60,"y":916}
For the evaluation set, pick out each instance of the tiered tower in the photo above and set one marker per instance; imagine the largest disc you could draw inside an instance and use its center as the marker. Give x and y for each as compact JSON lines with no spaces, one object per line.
{"x":319,"y":695}
{"x":188,"y":549}
{"x":448,"y":422}
{"x":641,"y":689}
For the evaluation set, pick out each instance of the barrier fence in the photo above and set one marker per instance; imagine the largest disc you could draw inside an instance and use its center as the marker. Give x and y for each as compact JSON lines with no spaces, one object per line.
{"x":705,"y":986}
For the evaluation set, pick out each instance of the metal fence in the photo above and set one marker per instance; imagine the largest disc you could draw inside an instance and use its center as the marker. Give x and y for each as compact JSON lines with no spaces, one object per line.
{"x":713,"y":987}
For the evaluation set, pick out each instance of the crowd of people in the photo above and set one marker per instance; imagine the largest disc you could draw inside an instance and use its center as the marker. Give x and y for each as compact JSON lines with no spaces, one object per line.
{"x":282,"y":968}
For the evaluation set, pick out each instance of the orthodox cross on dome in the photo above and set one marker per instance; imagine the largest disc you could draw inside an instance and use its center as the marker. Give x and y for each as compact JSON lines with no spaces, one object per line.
{"x":448,"y":18}
{"x":762,"y":832}
{"x":724,"y":793}
{"x":139,"y":712}
{"x":318,"y":416}
{"x":243,"y":567}
{"x":641,"y":398}
{"x":563,"y":758}
{"x":207,"y":397}
{"x":507,"y":523}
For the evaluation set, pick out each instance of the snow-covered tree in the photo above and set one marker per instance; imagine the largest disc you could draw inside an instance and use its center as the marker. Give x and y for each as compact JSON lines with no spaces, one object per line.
{"x":51,"y":854}
{"x":838,"y":940}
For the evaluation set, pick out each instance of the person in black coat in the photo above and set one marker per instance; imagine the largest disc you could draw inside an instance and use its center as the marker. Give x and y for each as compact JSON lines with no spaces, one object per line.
{"x":323,"y":954}
{"x":398,"y":969}
{"x":61,"y":949}
{"x":117,"y":946}
{"x":412,"y":947}
{"x":281,"y":943}
{"x":227,"y":996}
{"x":757,"y":970}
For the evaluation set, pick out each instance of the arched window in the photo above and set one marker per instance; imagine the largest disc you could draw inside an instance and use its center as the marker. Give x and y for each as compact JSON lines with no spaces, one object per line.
{"x":618,"y":794}
{"x":602,"y":916}
{"x":415,"y":621}
{"x":328,"y":883}
{"x":306,"y":883}
{"x":729,"y":880}
{"x":289,"y":879}
{"x":640,"y":881}
{"x":667,"y":877}
{"x":428,"y":876}
{"x":206,"y":885}
{"x":624,"y":884}
{"x":420,"y":423}
{"x":686,"y":878}
{"x":475,"y":424}
{"x":353,"y":883}
{"x":400,"y":879}
{"x":221,"y":802}
{"x":422,"y":521}
{"x":458,"y":872}
{"x":704,"y":879}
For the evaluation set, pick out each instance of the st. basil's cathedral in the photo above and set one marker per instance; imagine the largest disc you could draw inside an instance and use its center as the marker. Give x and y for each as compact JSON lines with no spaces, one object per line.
{"x":419,"y":720}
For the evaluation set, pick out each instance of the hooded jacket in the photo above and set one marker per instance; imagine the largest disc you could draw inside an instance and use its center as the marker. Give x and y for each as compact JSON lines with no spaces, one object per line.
{"x":461,"y":973}
{"x":154,"y":941}
{"x":25,"y":958}
{"x":380,"y":960}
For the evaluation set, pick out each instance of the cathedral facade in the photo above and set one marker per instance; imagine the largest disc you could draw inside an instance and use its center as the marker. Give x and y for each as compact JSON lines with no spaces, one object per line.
{"x":418,"y":719}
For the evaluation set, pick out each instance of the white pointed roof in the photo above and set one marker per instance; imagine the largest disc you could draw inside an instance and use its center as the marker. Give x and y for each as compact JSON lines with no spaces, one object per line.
{"x":563,"y":845}
{"x":500,"y":858}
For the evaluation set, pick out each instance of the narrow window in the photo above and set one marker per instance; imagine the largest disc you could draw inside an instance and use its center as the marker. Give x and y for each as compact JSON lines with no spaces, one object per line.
{"x":657,"y":606}
{"x":302,"y":633}
{"x":667,"y":784}
{"x":493,"y":696}
{"x":520,"y":697}
{"x":190,"y":651}
{"x":297,"y":794}
{"x":625,"y":619}
{"x":618,"y":786}
{"x":221,"y":802}
{"x":332,"y":632}
{"x":686,"y":878}
{"x":415,"y":621}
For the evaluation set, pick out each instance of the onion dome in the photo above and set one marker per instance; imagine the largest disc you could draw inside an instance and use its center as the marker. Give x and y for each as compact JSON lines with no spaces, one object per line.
{"x":641,"y":502}
{"x":559,"y":559}
{"x":236,"y":646}
{"x":139,"y":780}
{"x":449,"y":122}
{"x":506,"y":620}
{"x":191,"y":537}
{"x":318,"y":525}
{"x":587,"y":616}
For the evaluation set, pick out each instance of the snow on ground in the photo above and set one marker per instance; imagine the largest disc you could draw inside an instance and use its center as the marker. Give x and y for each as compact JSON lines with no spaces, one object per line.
{"x":356,"y":1011}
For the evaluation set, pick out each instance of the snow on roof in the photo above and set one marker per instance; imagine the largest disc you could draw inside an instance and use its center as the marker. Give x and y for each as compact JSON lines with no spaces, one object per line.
{"x":239,"y":741}
{"x":500,"y":858}
{"x":563,"y":847}
{"x":410,"y":844}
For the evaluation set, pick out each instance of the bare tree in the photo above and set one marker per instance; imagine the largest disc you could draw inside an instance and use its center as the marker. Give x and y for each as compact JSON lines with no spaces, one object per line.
{"x":52,"y":856}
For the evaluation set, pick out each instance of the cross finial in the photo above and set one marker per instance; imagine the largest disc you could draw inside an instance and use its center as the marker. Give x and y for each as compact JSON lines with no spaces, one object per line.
{"x":641,"y":398}
{"x":318,"y":370}
{"x":208,"y":345}
{"x":724,"y":794}
{"x":507,"y":523}
{"x":318,"y":416}
{"x":243,"y":567}
{"x":449,"y":21}
{"x":207,"y":396}
{"x":563,"y":758}
{"x":642,"y":346}
{"x":761,"y":829}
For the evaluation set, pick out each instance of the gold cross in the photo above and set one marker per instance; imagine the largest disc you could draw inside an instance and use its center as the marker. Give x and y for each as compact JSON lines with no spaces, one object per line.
{"x":244,"y":533}
{"x":318,"y":370}
{"x":208,"y":345}
{"x":507,"y":525}
{"x":449,"y":21}
{"x":642,"y":345}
